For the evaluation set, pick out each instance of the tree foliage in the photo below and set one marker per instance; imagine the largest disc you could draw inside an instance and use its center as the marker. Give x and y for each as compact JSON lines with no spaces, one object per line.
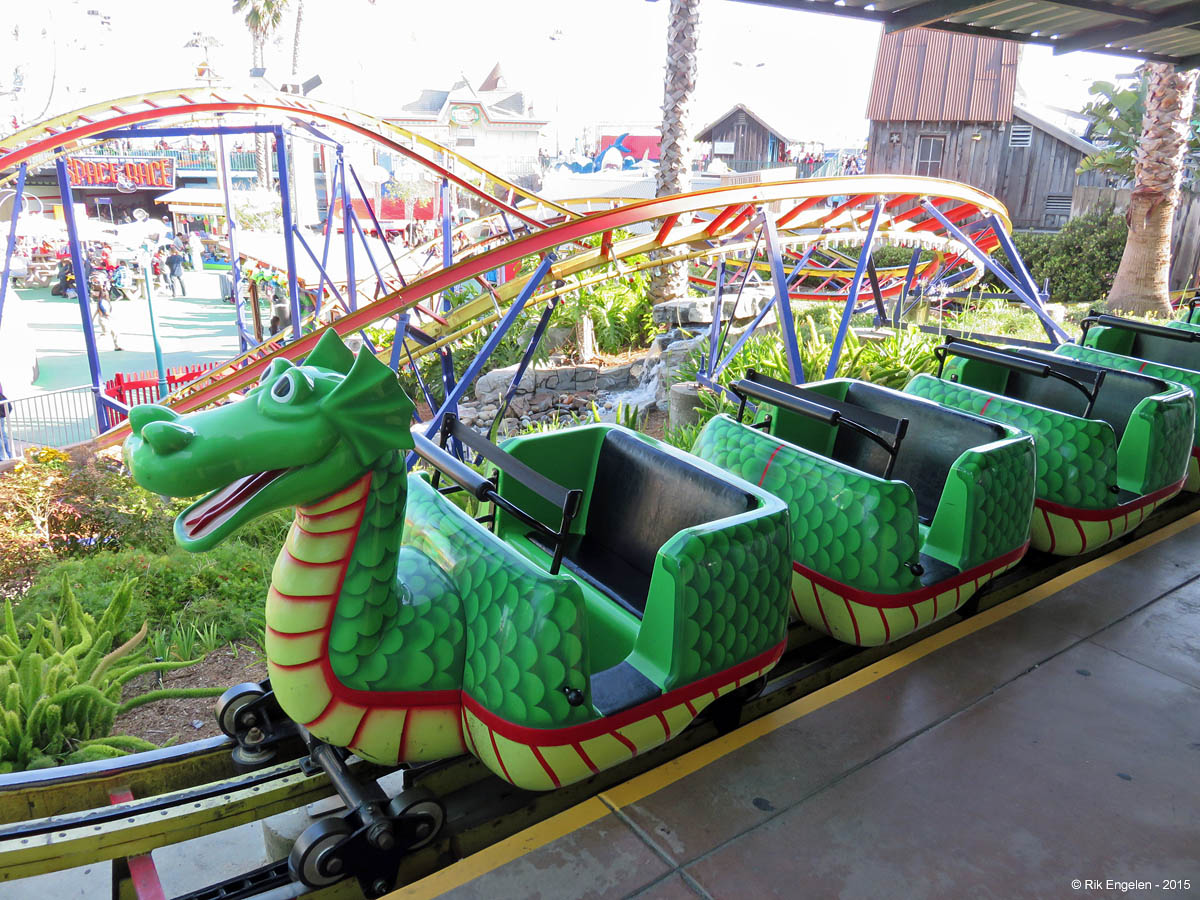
{"x":1116,"y":114}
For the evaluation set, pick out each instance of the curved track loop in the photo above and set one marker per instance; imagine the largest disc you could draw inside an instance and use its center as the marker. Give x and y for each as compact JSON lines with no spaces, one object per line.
{"x":692,"y":226}
{"x":41,"y":143}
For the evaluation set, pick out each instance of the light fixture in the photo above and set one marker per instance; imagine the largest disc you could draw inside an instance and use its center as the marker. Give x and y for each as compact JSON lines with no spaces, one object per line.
{"x":977,"y":136}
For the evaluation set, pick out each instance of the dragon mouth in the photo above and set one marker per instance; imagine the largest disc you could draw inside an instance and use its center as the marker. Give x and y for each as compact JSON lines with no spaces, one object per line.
{"x":219,"y":507}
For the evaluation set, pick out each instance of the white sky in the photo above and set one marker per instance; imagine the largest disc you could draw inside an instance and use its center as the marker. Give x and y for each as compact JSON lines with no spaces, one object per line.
{"x":606,"y":66}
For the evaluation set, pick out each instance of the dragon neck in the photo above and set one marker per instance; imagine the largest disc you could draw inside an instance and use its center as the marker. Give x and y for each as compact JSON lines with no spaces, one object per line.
{"x":340,"y":554}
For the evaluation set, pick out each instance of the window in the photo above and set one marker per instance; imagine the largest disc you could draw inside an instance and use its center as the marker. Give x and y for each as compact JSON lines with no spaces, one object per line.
{"x":930,"y":150}
{"x":1020,"y":136}
{"x":1057,"y":210}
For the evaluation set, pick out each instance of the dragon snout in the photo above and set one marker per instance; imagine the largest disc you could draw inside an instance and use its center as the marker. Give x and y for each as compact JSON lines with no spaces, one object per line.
{"x":159,"y":427}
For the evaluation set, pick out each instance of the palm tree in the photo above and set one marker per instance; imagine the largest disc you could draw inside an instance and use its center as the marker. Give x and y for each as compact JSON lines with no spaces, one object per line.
{"x":296,"y":40}
{"x":263,"y":17}
{"x":1141,"y":285}
{"x":679,"y":84}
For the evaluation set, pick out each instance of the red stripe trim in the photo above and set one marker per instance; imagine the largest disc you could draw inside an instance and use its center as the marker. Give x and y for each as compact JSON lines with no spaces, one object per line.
{"x":1049,"y":528}
{"x":358,"y":729}
{"x":303,"y":563}
{"x":587,"y":760}
{"x":986,"y":405}
{"x":626,"y":741}
{"x":332,"y":512}
{"x":887,"y":631}
{"x":350,"y":487}
{"x":666,"y":727}
{"x":499,"y":758}
{"x":404,"y":735}
{"x":1143,"y":365}
{"x":293,"y":635}
{"x":909,"y":598}
{"x":545,"y":765}
{"x":323,"y":534}
{"x":1083,"y":541}
{"x":690,"y":708}
{"x":820,"y":606}
{"x":142,"y":871}
{"x":853,"y":621}
{"x":571,"y":734}
{"x":767,"y":467}
{"x":329,"y":707}
{"x":1124,"y":509}
{"x":303,"y":598}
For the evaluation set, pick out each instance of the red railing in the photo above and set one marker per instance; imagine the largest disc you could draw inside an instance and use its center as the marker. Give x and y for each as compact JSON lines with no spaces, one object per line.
{"x":142,"y":387}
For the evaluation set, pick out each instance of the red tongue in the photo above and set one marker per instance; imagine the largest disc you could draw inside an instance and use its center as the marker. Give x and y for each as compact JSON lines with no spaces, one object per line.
{"x":247,"y":489}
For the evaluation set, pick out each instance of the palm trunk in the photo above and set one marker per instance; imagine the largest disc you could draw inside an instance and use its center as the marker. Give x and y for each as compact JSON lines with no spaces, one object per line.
{"x":674,"y":168}
{"x":296,"y":39}
{"x":262,"y":170}
{"x":1141,"y":285}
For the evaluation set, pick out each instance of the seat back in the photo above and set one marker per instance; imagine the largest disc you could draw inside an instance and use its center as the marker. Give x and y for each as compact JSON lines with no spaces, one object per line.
{"x":937,"y":437}
{"x":642,"y":497}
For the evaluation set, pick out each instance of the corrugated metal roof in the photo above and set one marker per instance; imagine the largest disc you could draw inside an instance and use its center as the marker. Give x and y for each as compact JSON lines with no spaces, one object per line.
{"x":1163,"y":30}
{"x":924,"y":75}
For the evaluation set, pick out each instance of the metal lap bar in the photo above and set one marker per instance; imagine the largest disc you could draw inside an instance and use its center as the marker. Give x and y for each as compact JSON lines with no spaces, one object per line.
{"x":1037,"y":368}
{"x":568,"y":500}
{"x":808,"y":403}
{"x":1095,"y":317}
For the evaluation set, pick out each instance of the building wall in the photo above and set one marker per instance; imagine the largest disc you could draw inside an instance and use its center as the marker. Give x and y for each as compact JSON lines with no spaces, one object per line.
{"x":751,"y":142}
{"x":973,"y":162}
{"x":1022,"y":178}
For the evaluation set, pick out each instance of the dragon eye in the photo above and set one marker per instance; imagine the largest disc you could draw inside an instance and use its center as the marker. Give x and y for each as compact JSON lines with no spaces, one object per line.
{"x":284,"y":389}
{"x":291,"y":387}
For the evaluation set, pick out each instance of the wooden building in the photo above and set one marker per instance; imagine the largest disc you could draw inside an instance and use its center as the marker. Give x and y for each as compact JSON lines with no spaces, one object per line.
{"x":743,"y":141}
{"x":942,"y":105}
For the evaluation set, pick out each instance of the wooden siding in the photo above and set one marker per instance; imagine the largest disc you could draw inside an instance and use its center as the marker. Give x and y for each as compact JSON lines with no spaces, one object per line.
{"x":751,"y":141}
{"x":923,"y":75}
{"x":1021,"y":178}
{"x":1185,"y":233}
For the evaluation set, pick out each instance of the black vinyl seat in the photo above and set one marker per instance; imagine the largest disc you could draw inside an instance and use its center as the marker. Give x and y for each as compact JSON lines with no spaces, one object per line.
{"x":937,"y":437}
{"x":640,"y":499}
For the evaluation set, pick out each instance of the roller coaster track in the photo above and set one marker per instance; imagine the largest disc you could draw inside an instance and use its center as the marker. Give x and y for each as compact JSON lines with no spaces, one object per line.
{"x":42,"y":143}
{"x":55,"y":819}
{"x":685,"y":227}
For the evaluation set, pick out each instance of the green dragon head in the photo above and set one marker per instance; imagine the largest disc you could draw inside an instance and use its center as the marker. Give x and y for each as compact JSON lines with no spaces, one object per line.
{"x":303,"y":433}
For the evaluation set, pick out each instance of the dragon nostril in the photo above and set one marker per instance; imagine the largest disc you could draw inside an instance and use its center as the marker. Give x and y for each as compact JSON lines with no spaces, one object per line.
{"x":145,"y":413}
{"x":167,"y":437}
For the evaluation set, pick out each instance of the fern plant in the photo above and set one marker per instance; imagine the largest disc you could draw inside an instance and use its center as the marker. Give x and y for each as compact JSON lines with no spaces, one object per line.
{"x":62,"y":684}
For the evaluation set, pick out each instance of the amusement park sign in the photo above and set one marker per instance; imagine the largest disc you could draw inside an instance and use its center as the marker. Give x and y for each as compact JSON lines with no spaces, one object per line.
{"x":125,"y":173}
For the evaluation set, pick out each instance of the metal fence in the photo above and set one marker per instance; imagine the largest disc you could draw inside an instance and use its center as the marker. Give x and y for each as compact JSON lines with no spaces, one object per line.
{"x":54,"y":419}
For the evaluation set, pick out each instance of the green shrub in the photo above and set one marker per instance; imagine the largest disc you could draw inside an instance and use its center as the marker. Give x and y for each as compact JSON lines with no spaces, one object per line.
{"x":1080,"y":261}
{"x":225,"y":586}
{"x":61,"y":683}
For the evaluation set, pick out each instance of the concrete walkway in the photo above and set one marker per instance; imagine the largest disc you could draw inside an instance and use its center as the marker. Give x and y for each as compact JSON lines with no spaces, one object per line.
{"x":1042,"y":756}
{"x":191,"y":330}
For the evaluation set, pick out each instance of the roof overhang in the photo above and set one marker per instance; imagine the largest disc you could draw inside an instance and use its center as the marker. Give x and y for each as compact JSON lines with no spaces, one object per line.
{"x":1160,"y":30}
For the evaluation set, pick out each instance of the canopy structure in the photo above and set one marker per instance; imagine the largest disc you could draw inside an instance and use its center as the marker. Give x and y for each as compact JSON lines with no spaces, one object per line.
{"x":199,"y":201}
{"x":1160,"y":30}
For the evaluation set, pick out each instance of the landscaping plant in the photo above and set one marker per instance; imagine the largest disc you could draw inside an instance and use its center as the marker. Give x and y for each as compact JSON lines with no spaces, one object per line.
{"x":62,"y":683}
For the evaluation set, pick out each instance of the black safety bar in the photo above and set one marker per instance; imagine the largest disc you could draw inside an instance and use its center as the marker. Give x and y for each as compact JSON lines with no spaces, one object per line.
{"x":1192,"y":304}
{"x":1072,"y":373}
{"x":1095,"y":317}
{"x":568,"y":500}
{"x":885,"y":431}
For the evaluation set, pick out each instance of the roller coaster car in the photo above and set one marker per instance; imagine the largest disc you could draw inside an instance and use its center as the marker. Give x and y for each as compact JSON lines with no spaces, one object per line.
{"x":618,"y":588}
{"x":1189,"y":378}
{"x":1111,"y":445}
{"x":1175,"y":344}
{"x":901,"y":509}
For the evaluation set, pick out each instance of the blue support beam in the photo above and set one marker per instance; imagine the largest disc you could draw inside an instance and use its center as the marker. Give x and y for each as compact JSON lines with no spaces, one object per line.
{"x":526,"y":359}
{"x":852,"y":298}
{"x":1053,"y":329}
{"x":235,"y":272}
{"x":185,"y":131}
{"x":489,"y":347}
{"x":81,"y":285}
{"x":787,"y":325}
{"x":909,"y":276}
{"x":289,"y":246}
{"x":347,"y":233}
{"x":18,"y":200}
{"x":714,"y":329}
{"x":378,"y":230}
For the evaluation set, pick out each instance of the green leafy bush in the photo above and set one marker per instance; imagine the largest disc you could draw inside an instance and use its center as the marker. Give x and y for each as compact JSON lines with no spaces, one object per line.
{"x":62,"y":681}
{"x":1080,"y":261}
{"x":225,"y":586}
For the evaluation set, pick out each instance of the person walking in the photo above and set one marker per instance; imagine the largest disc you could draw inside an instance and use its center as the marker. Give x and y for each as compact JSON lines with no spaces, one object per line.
{"x":6,"y":447}
{"x":102,"y":319}
{"x":175,"y":271}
